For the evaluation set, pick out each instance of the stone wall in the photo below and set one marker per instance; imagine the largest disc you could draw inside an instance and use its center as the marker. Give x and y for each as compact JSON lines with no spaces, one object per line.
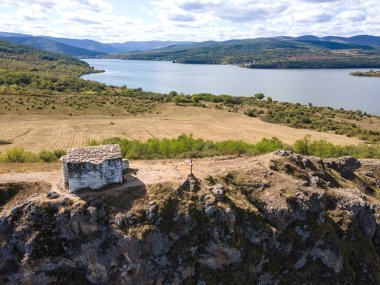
{"x":93,"y":167}
{"x":94,"y":176}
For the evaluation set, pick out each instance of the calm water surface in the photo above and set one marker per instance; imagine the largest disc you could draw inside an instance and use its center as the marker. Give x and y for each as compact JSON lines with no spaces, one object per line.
{"x":326,"y":87}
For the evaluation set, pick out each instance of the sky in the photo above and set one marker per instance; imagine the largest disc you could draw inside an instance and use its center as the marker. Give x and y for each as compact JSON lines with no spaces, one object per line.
{"x":189,"y":20}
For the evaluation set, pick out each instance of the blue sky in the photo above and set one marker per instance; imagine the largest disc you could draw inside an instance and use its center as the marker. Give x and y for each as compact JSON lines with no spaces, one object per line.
{"x":194,"y":20}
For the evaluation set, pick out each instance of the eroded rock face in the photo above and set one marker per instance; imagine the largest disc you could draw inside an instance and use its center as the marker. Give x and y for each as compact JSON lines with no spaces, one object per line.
{"x":280,"y":213}
{"x":230,"y":231}
{"x":346,"y":166}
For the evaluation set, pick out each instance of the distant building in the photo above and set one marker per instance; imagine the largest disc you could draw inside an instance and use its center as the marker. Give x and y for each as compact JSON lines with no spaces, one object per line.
{"x":93,"y":167}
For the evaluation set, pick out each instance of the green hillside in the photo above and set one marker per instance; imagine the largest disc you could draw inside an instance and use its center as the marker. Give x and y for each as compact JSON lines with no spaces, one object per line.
{"x":269,"y":53}
{"x":28,"y":70}
{"x":14,"y":57}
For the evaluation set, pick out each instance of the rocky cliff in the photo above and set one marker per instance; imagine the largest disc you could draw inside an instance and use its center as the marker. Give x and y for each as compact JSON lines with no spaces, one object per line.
{"x":295,"y":220}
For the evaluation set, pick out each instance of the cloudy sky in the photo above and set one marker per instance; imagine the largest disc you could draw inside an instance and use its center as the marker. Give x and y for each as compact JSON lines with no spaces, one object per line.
{"x":194,"y":20}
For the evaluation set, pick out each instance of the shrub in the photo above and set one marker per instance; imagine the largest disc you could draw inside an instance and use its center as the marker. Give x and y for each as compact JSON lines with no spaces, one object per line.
{"x":47,"y":156}
{"x":3,"y":142}
{"x":325,"y":149}
{"x":182,"y":99}
{"x":302,"y":146}
{"x":251,"y":113}
{"x":186,"y":146}
{"x":18,"y":155}
{"x":59,"y":153}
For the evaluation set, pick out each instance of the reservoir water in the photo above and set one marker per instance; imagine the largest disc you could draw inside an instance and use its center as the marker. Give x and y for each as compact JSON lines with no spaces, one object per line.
{"x":321,"y":87}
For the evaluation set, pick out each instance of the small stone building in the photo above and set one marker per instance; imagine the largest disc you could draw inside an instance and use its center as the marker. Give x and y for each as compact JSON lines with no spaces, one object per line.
{"x":93,"y":167}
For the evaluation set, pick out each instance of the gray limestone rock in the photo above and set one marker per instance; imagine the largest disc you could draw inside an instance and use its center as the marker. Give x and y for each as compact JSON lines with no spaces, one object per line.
{"x":346,"y":166}
{"x":218,"y":256}
{"x":52,"y":195}
{"x":219,"y":191}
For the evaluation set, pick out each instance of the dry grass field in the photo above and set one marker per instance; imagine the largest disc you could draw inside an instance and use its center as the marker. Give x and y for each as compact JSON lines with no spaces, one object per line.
{"x":38,"y":132}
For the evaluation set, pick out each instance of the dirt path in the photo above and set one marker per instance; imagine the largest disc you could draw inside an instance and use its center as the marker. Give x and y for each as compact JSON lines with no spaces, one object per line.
{"x":52,"y":177}
{"x":158,"y":171}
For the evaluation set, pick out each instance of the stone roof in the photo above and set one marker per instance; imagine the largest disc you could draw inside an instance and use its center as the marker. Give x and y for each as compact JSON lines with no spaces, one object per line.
{"x":93,"y":154}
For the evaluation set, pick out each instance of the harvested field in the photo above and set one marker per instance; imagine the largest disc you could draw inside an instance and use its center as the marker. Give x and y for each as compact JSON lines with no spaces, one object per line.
{"x":35,"y":133}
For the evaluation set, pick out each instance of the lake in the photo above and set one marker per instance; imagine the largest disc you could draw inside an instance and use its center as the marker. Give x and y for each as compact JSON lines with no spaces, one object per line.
{"x":321,"y":87}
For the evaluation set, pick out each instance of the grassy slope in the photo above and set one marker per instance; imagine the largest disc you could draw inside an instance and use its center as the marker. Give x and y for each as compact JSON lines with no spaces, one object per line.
{"x":40,"y":82}
{"x":20,"y":58}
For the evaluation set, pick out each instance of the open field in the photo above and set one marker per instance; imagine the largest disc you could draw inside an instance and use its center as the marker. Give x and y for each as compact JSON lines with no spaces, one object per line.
{"x":35,"y":133}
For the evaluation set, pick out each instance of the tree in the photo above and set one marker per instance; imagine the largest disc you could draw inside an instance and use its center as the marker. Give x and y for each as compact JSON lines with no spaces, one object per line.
{"x":259,"y":96}
{"x":269,"y":99}
{"x":177,"y":100}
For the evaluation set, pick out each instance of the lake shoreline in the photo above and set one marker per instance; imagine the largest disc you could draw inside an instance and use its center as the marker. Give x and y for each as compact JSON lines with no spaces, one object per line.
{"x":321,"y":87}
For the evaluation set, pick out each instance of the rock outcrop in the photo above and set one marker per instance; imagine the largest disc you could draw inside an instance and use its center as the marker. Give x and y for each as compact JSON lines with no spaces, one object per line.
{"x":346,"y":166}
{"x":231,"y":229}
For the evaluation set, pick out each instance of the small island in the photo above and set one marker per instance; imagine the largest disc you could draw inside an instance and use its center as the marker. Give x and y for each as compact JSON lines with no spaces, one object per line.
{"x":371,"y":73}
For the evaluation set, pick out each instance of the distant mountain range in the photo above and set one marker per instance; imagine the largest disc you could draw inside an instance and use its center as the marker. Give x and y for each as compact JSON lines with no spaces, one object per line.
{"x":83,"y":48}
{"x":52,"y":46}
{"x":264,"y":51}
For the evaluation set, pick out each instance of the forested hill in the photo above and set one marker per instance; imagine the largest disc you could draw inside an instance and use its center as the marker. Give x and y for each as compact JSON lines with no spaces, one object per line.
{"x":282,"y":52}
{"x":28,"y":71}
{"x":52,"y":46}
{"x":21,"y":58}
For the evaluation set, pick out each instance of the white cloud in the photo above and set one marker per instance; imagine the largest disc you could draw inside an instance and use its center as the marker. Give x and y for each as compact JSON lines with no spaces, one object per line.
{"x":192,"y":19}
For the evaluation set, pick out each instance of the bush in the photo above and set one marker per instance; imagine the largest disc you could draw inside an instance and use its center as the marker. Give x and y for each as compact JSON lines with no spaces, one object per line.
{"x":302,"y":146}
{"x":59,"y":153}
{"x":18,"y":155}
{"x":3,"y":142}
{"x":251,"y":113}
{"x":186,"y":146}
{"x":182,"y":99}
{"x":325,"y":149}
{"x":47,"y":156}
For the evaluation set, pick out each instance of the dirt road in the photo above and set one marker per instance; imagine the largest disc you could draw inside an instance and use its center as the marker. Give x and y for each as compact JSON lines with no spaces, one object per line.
{"x":157,"y":171}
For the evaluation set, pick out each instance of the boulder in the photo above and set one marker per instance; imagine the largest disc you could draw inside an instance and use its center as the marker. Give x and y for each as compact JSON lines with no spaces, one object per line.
{"x":219,"y":256}
{"x":219,"y":191}
{"x":331,"y":258}
{"x":191,"y":184}
{"x":52,"y":195}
